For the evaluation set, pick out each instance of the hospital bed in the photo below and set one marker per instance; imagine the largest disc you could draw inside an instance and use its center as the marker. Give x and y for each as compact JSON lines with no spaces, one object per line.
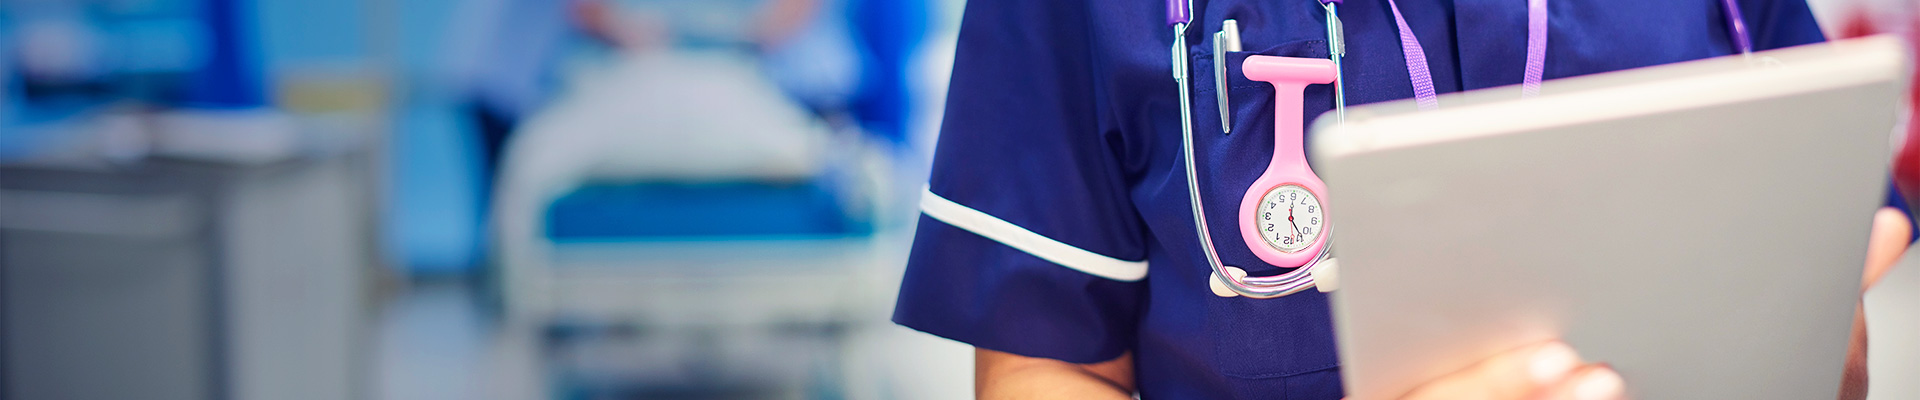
{"x":689,"y":196}
{"x":682,"y":193}
{"x":682,"y":172}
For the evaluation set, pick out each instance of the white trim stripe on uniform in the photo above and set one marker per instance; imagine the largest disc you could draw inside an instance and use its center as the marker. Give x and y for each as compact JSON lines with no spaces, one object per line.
{"x":1014,"y":236}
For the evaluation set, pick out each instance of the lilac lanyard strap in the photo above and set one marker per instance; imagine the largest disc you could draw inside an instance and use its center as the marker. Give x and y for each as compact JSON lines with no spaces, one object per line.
{"x":1423,"y":92}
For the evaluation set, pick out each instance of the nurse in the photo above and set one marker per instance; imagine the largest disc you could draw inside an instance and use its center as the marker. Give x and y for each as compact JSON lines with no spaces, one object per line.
{"x":1056,"y":235}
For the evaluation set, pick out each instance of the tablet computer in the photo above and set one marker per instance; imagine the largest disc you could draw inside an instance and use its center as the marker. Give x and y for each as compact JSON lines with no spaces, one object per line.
{"x":1700,"y":226}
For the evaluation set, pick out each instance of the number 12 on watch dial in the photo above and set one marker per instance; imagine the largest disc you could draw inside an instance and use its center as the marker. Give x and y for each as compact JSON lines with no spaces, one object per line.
{"x":1290,"y":218}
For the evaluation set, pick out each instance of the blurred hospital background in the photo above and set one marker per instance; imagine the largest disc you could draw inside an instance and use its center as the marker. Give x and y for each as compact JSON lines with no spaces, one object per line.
{"x":499,"y":199}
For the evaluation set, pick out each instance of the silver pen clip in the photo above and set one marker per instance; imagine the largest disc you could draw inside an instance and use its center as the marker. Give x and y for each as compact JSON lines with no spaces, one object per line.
{"x":1337,"y":49}
{"x":1224,"y":41}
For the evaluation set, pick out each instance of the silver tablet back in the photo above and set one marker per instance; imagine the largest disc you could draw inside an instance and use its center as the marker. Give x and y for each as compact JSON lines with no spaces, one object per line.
{"x":1700,"y":226}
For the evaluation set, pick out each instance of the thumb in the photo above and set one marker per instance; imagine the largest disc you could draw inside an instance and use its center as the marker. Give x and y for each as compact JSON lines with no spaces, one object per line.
{"x":1891,"y":231}
{"x":1593,"y":382}
{"x":1521,"y":373}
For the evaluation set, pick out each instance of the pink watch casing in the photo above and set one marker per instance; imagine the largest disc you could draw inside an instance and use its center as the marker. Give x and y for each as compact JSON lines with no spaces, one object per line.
{"x":1289,"y":77}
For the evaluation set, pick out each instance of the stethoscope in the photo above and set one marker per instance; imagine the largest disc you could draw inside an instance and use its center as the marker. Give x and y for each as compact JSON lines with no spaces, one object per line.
{"x":1288,"y":181}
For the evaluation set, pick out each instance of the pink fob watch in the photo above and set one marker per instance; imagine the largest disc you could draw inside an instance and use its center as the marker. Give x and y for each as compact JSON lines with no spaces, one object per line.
{"x":1283,"y":216}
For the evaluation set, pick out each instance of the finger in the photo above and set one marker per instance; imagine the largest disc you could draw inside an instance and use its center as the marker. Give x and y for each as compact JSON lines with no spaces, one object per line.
{"x":1514,"y":374}
{"x":1592,"y":382}
{"x":1853,"y":379}
{"x":1888,"y":240}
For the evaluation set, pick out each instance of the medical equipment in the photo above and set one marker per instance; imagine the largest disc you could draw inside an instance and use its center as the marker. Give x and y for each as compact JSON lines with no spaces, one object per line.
{"x":1698,"y":225}
{"x":1284,"y":176}
{"x":727,"y":136}
{"x":1300,"y":249}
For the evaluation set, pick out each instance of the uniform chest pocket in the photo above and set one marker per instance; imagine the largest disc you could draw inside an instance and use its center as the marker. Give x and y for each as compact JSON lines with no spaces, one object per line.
{"x":1279,"y":345}
{"x":1281,"y":337}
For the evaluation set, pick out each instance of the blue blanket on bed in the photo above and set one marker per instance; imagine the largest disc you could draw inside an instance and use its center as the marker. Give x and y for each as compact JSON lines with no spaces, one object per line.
{"x":677,"y":211}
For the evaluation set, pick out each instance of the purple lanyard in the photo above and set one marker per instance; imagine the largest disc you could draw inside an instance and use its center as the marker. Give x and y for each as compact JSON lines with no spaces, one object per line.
{"x":1419,"y":72}
{"x":1417,"y":69}
{"x":1536,"y":48}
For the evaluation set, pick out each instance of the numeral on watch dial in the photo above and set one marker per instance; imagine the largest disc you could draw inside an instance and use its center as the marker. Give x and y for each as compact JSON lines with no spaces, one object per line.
{"x":1292,"y":217}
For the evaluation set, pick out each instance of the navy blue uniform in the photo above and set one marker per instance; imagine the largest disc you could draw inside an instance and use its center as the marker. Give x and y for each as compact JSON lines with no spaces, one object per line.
{"x":1057,"y":225}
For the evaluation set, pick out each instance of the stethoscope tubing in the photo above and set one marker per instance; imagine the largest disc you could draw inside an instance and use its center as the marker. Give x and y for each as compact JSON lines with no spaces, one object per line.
{"x":1179,"y":16}
{"x":1256,"y":287}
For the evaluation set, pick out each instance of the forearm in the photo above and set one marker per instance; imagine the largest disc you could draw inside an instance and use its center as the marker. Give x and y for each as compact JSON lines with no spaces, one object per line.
{"x":1000,"y":375}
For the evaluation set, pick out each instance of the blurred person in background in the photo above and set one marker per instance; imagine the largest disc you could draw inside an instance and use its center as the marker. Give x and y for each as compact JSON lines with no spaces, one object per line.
{"x":510,"y":53}
{"x":729,"y":102}
{"x":844,"y":60}
{"x":1058,"y":181}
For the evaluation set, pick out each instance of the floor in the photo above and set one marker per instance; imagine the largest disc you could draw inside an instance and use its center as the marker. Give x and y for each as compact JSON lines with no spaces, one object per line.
{"x":434,"y":342}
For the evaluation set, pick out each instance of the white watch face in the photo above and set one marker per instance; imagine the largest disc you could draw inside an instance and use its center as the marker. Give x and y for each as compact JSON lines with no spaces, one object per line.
{"x":1290,"y":218}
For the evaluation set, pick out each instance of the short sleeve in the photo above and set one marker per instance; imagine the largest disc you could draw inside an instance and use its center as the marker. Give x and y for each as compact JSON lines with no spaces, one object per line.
{"x":1028,"y":242}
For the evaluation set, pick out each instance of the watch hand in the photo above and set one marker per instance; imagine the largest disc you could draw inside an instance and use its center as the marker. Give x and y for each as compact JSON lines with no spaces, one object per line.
{"x":1296,"y":226}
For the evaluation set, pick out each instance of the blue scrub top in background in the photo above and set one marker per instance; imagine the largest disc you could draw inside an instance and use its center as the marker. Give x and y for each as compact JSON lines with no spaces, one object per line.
{"x":1062,"y":124}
